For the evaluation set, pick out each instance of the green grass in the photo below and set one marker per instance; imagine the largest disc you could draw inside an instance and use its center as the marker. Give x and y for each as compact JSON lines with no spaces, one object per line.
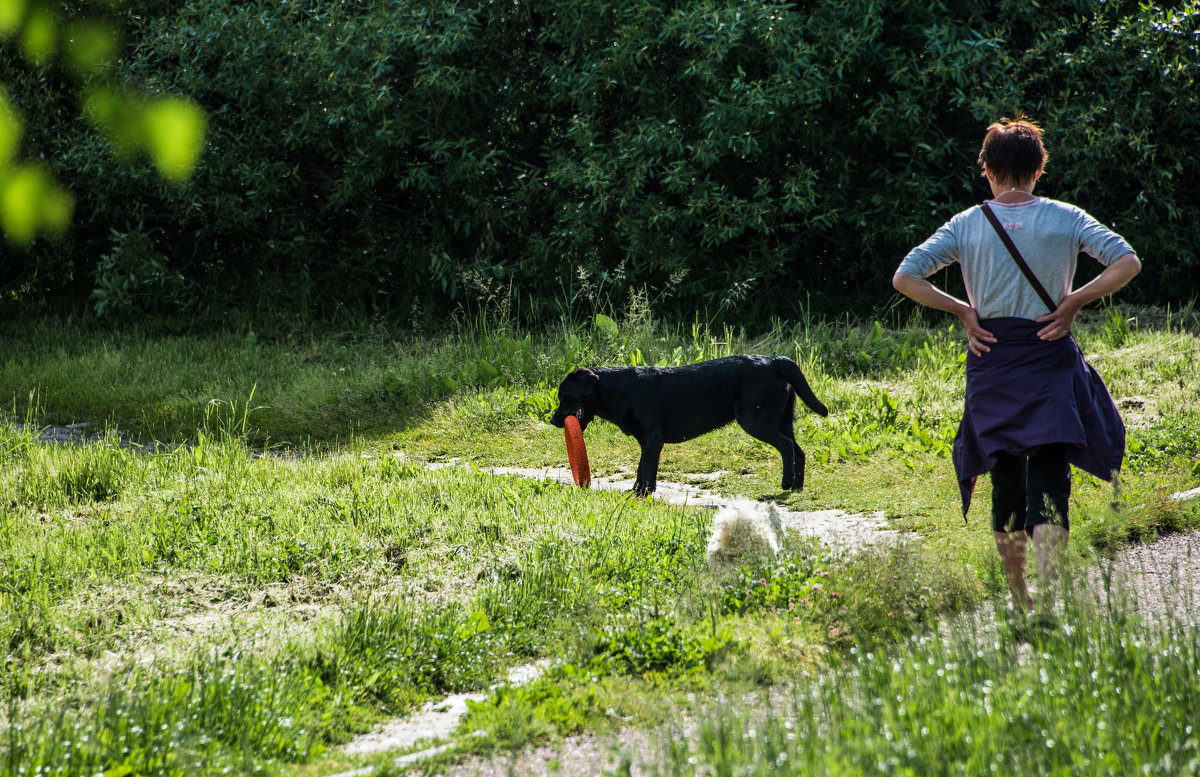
{"x":1107,"y":693}
{"x":288,"y":569}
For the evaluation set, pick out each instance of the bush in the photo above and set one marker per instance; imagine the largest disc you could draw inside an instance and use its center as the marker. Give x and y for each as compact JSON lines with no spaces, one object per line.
{"x":732,"y":158}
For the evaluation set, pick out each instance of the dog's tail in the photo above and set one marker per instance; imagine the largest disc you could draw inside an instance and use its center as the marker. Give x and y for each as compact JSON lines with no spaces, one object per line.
{"x":793,"y":374}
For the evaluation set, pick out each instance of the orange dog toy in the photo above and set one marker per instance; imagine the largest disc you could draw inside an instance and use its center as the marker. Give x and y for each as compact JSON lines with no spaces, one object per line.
{"x":577,"y":452}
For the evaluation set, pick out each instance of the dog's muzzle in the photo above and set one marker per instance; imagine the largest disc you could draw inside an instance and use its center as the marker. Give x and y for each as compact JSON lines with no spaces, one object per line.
{"x":559,"y":418}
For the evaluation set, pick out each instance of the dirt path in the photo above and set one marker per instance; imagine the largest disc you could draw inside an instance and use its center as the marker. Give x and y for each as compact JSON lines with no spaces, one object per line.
{"x":836,"y":528}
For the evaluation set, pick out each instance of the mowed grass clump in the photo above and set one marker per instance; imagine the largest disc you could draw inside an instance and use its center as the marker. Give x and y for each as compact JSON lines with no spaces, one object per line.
{"x":220,"y":605}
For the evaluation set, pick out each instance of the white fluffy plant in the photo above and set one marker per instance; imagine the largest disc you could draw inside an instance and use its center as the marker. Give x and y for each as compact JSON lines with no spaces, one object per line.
{"x":744,"y":531}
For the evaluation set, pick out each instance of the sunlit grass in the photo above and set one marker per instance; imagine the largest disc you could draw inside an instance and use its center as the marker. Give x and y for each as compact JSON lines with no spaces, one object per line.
{"x":1109,"y":691}
{"x":224,"y":583}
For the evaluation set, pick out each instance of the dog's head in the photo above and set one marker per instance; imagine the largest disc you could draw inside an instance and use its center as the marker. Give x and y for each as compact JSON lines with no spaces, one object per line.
{"x":577,"y":397}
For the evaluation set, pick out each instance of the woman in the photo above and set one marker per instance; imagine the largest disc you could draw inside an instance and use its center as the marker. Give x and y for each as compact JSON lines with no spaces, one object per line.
{"x":1033,"y":405}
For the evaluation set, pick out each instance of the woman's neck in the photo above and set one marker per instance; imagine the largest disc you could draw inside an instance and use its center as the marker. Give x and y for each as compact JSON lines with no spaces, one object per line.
{"x":1015,"y":195}
{"x":1010,"y":192}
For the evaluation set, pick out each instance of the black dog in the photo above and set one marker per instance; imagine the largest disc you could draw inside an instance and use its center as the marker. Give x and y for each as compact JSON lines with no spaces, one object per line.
{"x":659,"y":405}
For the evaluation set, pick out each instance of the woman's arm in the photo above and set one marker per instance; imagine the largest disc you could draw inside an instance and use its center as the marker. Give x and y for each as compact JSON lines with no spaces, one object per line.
{"x":1058,"y":324}
{"x":922,"y":291}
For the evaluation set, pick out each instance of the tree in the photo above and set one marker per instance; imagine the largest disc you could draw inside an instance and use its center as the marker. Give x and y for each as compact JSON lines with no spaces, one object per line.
{"x":79,"y":44}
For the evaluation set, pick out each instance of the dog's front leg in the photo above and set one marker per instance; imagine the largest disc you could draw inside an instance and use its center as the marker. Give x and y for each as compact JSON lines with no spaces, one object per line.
{"x":647,"y":474}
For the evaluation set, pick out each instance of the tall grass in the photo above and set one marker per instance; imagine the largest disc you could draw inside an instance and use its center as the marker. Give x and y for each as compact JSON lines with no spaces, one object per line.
{"x":1107,"y":693}
{"x":322,"y":390}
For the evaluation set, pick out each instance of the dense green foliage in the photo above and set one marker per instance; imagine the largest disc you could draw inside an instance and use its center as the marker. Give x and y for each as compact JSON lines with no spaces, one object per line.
{"x":730,"y":157}
{"x":79,"y":40}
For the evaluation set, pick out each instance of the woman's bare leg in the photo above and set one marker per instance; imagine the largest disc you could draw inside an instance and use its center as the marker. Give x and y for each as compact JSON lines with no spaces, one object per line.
{"x":1049,"y":540}
{"x":1012,"y":548}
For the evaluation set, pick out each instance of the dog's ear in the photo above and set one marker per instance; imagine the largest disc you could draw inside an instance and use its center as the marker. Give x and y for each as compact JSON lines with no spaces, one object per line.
{"x":586,"y":380}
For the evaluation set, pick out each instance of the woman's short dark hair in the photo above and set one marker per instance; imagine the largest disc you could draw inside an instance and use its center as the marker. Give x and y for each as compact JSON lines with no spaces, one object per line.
{"x":1013,"y":151}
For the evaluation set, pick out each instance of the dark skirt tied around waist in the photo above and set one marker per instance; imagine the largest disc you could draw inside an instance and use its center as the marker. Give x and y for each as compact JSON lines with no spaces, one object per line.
{"x":1027,"y":392}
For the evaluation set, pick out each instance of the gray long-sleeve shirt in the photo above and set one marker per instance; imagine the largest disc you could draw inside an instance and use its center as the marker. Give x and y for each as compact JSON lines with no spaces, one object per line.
{"x":1050,"y":236}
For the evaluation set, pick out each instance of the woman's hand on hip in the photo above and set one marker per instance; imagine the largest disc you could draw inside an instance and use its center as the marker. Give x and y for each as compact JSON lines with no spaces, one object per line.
{"x":924,"y":292}
{"x":1058,"y":324}
{"x":978,"y":338}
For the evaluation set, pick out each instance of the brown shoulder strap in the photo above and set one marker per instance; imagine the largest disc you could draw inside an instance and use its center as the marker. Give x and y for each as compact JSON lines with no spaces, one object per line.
{"x":1020,"y":260}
